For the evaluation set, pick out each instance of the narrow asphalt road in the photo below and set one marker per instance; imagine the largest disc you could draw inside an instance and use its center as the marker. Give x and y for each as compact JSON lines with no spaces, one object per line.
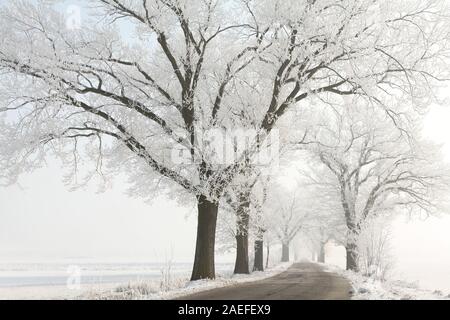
{"x":302,"y":281}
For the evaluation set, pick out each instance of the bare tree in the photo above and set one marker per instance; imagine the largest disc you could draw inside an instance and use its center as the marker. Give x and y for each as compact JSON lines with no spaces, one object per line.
{"x":196,"y":66}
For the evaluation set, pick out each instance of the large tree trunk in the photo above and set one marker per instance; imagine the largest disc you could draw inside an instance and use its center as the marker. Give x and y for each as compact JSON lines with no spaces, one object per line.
{"x":259,"y":253}
{"x":241,"y":265}
{"x":267,"y":255}
{"x":242,"y":262}
{"x":352,"y":257}
{"x":206,"y":237}
{"x":321,"y":257}
{"x":285,"y":253}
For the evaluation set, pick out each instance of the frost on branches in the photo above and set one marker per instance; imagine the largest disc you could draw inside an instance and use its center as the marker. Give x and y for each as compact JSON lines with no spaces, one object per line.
{"x":370,"y":168}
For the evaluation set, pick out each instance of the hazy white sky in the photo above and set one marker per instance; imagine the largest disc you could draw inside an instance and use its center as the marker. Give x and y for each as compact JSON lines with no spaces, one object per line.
{"x":44,"y":221}
{"x":422,"y":247}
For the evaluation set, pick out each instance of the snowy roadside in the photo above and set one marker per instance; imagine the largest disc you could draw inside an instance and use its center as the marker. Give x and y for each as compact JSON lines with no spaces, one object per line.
{"x":366,"y":288}
{"x":50,"y":292}
{"x":178,"y":286}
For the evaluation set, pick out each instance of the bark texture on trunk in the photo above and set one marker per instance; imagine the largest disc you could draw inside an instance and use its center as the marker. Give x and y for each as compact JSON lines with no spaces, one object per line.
{"x":259,"y":253}
{"x":206,"y":236}
{"x":241,"y":265}
{"x":348,"y":204}
{"x":351,"y":248}
{"x":285,"y":253}
{"x":352,"y":257}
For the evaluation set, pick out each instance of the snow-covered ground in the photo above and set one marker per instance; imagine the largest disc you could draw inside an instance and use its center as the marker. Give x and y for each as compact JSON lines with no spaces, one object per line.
{"x":69,"y":280}
{"x":178,"y":286}
{"x":366,"y":288}
{"x":113,"y":281}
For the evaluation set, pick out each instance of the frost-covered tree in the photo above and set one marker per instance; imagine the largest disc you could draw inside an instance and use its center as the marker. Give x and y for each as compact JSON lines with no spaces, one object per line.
{"x":287,"y":212}
{"x":143,"y":83}
{"x":373,"y":168}
{"x":243,"y":219}
{"x":240,"y":202}
{"x":328,"y":226}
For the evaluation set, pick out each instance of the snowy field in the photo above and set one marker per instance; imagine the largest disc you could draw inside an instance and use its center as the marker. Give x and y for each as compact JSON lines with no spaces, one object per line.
{"x":27,"y":274}
{"x":112,"y":281}
{"x":70,"y":280}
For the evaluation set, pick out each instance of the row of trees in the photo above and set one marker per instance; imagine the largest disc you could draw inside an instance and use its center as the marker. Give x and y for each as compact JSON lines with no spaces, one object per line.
{"x":367,"y":168}
{"x":352,"y":169}
{"x":127,"y":102}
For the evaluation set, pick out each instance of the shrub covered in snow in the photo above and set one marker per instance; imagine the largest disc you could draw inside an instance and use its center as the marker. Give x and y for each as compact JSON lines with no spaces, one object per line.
{"x":371,"y":288}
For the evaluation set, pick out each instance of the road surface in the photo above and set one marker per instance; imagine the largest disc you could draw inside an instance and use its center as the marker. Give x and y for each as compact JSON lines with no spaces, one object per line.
{"x":303,"y":281}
